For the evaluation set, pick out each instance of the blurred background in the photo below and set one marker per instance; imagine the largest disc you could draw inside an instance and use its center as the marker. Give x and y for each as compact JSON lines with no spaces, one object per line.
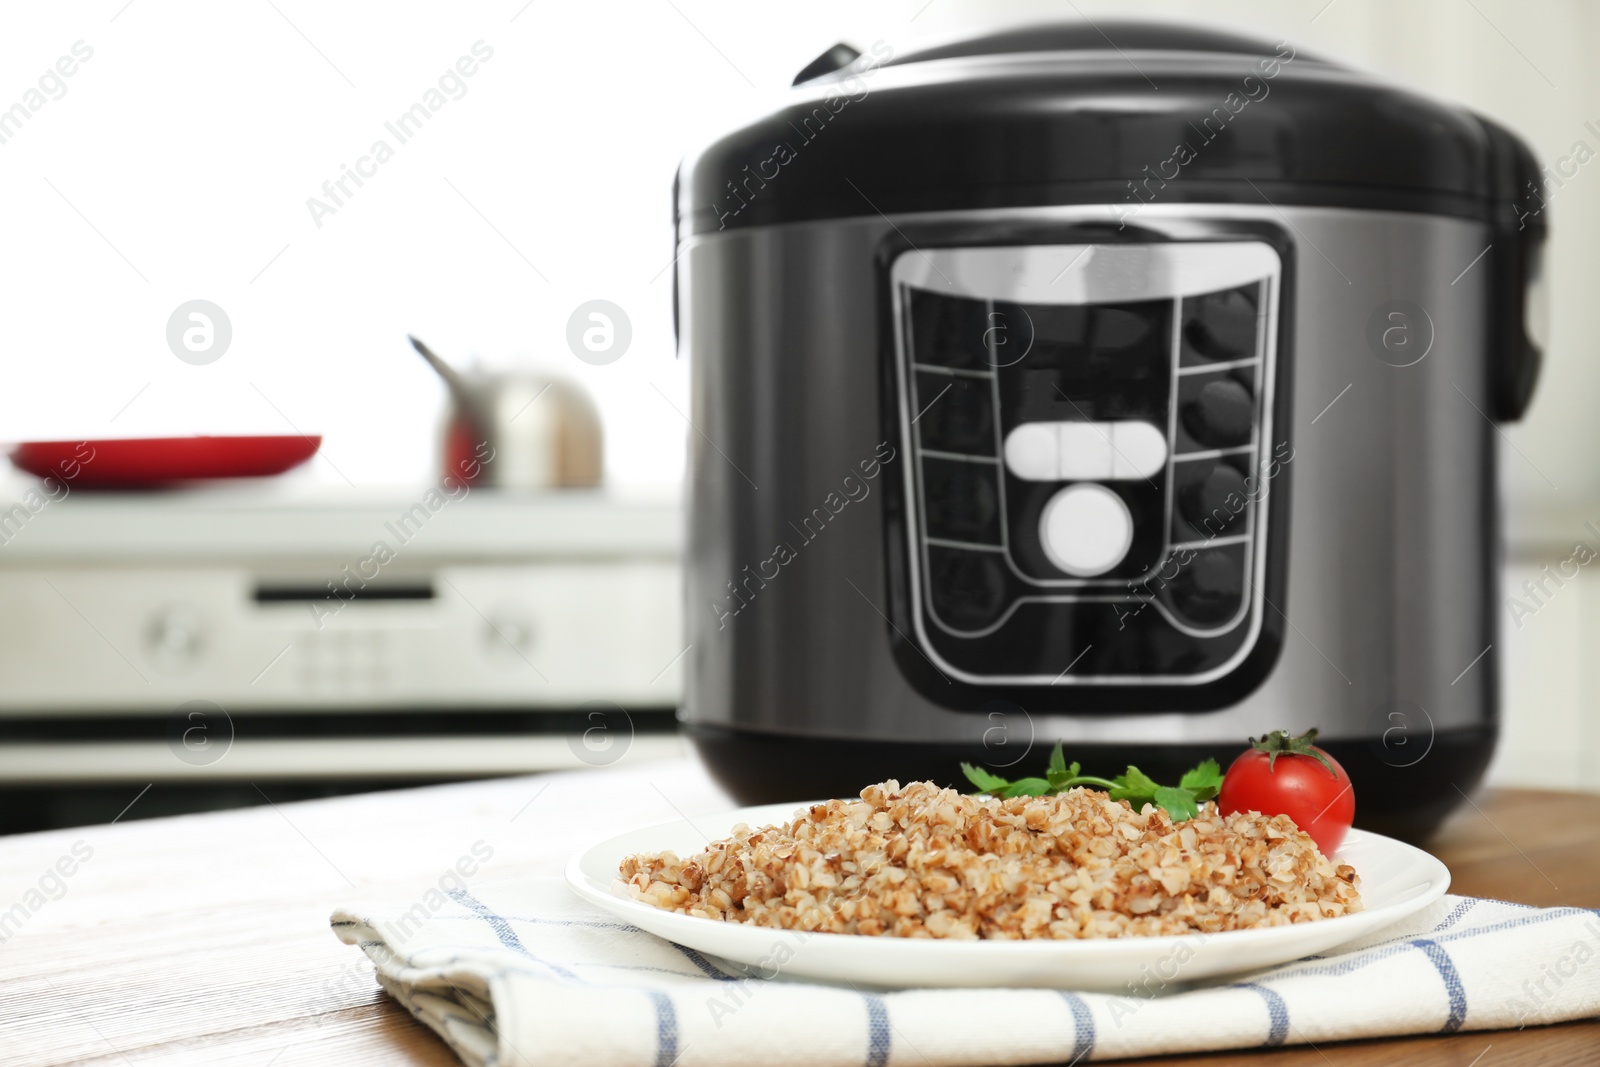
{"x":228,"y":154}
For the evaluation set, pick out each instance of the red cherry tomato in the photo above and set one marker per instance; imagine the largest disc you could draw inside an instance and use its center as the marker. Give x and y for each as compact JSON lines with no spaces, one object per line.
{"x":1283,"y":775}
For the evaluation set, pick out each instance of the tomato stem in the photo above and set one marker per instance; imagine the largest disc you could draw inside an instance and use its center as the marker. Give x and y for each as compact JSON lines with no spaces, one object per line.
{"x":1279,"y":743}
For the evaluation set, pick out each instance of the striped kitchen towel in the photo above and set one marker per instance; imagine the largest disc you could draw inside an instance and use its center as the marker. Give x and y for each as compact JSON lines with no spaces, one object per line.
{"x":523,"y":972}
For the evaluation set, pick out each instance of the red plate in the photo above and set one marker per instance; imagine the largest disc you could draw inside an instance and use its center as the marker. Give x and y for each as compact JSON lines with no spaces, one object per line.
{"x":145,"y":461}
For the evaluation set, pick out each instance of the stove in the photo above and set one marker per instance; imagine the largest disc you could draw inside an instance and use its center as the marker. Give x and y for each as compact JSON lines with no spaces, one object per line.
{"x":277,"y":632}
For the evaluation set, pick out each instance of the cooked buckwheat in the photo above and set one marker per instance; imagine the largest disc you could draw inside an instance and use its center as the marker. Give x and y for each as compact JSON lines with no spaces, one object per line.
{"x":929,"y":862}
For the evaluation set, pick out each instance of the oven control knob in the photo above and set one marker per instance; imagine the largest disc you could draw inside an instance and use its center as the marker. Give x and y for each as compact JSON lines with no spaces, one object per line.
{"x":175,"y":637}
{"x":508,"y":635}
{"x":1085,"y":529}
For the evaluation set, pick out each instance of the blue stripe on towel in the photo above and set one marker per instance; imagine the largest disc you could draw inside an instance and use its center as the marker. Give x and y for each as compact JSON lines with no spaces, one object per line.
{"x":1348,"y":964}
{"x":502,"y":930}
{"x":1082,"y":1026}
{"x":877,"y":1031}
{"x":709,"y":969}
{"x":1539,"y":918}
{"x":1456,"y":913}
{"x":666,"y":1029}
{"x":1277,"y":1014}
{"x":1452,"y":984}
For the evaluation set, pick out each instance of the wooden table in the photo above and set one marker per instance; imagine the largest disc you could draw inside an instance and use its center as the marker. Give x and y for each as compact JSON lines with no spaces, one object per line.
{"x":204,"y":939}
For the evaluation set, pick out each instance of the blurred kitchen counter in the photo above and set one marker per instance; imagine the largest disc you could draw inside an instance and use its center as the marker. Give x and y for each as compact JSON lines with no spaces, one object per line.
{"x":269,"y":519}
{"x":204,"y":939}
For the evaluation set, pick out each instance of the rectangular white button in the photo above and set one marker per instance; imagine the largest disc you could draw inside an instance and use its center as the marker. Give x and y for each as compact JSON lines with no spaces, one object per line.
{"x":1085,"y":451}
{"x":1139,"y":450}
{"x":1033,"y":452}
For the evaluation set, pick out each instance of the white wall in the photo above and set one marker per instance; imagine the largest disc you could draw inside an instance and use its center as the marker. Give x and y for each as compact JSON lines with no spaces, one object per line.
{"x":178,"y":164}
{"x":1551,"y":736}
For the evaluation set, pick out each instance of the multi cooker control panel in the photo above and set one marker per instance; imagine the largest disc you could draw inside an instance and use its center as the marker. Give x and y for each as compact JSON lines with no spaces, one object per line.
{"x":1091,"y":450}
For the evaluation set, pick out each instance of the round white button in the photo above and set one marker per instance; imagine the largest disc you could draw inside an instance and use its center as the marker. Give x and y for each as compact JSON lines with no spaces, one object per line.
{"x":1086,"y":529}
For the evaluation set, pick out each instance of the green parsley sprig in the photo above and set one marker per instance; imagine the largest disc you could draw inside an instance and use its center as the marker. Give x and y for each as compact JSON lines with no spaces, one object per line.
{"x":1181,"y":801}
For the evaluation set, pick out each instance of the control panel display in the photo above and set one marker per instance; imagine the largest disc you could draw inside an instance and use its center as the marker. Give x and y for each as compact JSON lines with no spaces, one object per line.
{"x":1089,"y":429}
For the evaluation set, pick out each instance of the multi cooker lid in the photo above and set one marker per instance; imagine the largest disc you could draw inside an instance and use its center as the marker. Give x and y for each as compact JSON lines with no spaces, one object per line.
{"x":1083,"y":36}
{"x":1114,"y":113}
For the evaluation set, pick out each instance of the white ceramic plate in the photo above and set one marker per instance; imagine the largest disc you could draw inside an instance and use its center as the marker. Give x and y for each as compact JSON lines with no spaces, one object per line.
{"x":1396,"y":880}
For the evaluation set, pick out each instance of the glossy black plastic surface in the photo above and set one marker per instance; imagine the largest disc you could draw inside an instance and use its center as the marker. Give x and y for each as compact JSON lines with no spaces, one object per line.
{"x":1197,"y":116}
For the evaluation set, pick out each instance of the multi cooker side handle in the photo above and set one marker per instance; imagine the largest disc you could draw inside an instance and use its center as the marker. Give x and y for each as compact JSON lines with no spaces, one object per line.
{"x":1518,"y":323}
